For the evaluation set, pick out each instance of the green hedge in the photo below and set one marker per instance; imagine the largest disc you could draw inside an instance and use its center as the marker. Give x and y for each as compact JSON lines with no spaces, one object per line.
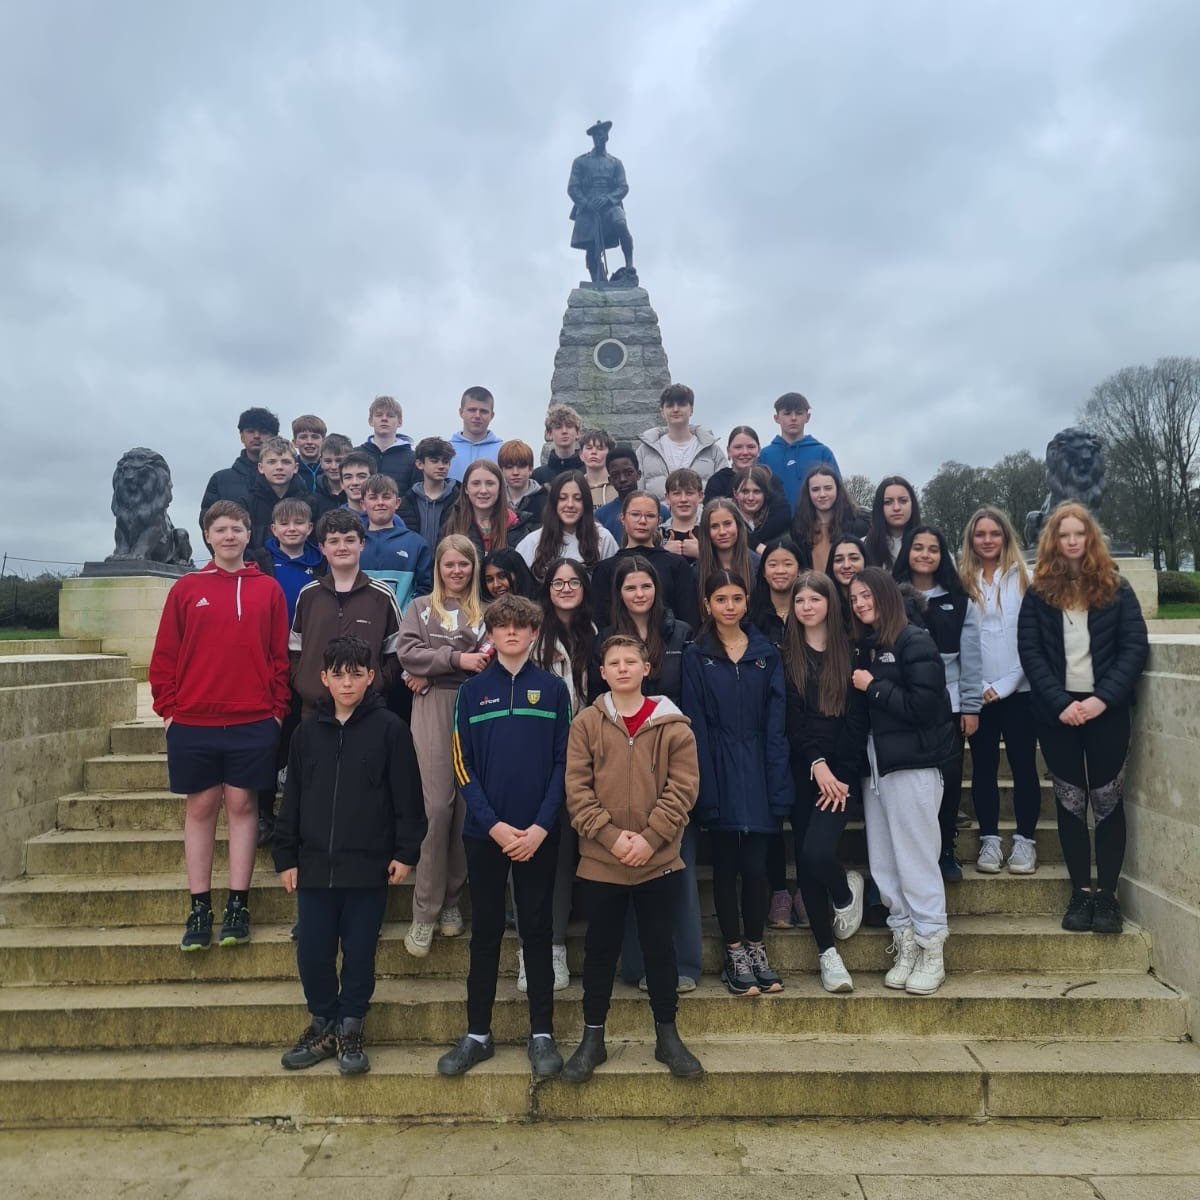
{"x":30,"y":603}
{"x":1178,"y":587}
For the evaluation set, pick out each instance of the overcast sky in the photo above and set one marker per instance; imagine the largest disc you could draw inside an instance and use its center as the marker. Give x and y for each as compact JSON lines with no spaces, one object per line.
{"x":944,"y":223}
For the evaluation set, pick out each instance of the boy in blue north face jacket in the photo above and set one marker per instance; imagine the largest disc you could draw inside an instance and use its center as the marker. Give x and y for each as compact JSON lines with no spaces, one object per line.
{"x":393,"y":553}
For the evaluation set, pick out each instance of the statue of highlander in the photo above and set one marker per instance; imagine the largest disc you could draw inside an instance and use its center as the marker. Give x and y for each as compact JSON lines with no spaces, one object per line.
{"x":597,"y":186}
{"x":1074,"y":471}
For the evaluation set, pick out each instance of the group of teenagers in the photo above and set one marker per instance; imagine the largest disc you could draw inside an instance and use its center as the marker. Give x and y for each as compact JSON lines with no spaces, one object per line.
{"x":551,"y":682}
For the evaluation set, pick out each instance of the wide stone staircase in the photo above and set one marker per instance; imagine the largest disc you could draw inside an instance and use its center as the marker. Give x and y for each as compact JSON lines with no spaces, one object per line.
{"x":104,"y":1020}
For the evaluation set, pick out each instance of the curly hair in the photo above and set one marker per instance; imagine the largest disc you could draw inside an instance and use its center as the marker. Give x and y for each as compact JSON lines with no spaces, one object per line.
{"x":1062,"y":584}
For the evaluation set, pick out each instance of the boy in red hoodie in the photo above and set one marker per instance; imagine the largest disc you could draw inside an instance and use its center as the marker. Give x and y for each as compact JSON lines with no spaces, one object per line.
{"x":219,"y":677}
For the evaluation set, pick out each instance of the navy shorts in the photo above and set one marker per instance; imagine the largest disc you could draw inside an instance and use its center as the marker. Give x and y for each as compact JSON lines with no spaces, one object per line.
{"x":200,"y":757}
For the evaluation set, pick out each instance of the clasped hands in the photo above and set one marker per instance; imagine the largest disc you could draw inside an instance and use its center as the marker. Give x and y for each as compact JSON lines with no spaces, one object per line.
{"x":519,"y":844}
{"x":1080,"y":712}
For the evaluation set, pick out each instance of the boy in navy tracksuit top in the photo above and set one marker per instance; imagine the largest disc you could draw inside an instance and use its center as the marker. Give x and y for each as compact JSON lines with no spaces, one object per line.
{"x":509,"y":750}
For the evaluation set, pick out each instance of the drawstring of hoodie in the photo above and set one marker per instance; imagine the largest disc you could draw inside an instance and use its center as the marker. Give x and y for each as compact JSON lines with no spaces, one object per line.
{"x":239,"y":597}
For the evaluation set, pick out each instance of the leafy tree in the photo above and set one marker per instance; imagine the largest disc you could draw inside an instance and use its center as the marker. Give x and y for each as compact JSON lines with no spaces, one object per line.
{"x":1018,"y":485}
{"x":953,"y":494}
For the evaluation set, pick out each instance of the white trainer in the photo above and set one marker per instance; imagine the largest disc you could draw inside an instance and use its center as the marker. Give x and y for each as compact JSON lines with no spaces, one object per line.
{"x":846,"y":921}
{"x":522,"y":982}
{"x":929,"y":973}
{"x":450,"y":921}
{"x":419,"y":938}
{"x":1023,"y":859}
{"x":904,"y":950}
{"x":991,"y":857}
{"x":562,"y":977}
{"x":834,"y":976}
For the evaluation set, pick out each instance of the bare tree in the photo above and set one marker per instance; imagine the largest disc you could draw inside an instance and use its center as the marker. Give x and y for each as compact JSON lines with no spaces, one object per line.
{"x":952,"y":495}
{"x":860,"y":489}
{"x":1018,"y":485}
{"x":1149,"y":419}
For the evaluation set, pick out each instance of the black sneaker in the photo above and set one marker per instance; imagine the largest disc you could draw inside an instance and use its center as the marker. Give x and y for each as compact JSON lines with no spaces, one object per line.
{"x":317,"y":1043}
{"x":764,"y":974}
{"x":235,"y":925}
{"x":544,"y":1057}
{"x":950,"y":867}
{"x":1079,"y":914}
{"x":352,"y":1058}
{"x":1106,"y":914}
{"x":197,"y":934}
{"x":875,"y":913}
{"x":737,"y":974}
{"x":266,"y":830}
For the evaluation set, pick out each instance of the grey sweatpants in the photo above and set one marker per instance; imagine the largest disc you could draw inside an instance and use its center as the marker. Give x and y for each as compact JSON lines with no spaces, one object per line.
{"x":903,"y":841}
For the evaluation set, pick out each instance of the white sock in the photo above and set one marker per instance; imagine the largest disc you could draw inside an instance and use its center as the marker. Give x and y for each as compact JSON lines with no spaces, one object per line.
{"x":547,"y":1036}
{"x":481,"y":1038}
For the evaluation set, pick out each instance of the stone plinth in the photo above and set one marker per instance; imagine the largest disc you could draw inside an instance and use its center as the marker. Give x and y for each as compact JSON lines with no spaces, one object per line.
{"x":123,"y":612}
{"x":1143,"y":578}
{"x":611,"y":366}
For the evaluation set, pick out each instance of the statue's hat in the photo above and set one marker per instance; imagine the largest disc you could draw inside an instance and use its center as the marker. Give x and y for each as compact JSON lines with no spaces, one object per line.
{"x":599,"y":127}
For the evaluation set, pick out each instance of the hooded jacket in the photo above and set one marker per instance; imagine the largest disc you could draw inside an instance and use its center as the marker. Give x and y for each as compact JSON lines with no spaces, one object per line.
{"x":220,"y":656}
{"x":368,"y":611}
{"x":232,"y":483}
{"x":737,"y":715}
{"x":396,"y":461}
{"x":400,"y":558}
{"x":528,"y":510}
{"x":911,"y":722}
{"x":293,"y":574}
{"x":1119,"y":649}
{"x":467,"y":451}
{"x":709,"y":458}
{"x":261,"y":500}
{"x":668,"y":682}
{"x":309,"y":474}
{"x":998,"y":615}
{"x":428,"y":649}
{"x":555,"y":466}
{"x":790,"y":462}
{"x":428,"y":517}
{"x":646,"y":784}
{"x":352,"y":801}
{"x":954,"y":623}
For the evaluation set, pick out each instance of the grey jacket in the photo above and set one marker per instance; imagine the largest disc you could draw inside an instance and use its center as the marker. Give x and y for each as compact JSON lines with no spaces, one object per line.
{"x":709,"y":458}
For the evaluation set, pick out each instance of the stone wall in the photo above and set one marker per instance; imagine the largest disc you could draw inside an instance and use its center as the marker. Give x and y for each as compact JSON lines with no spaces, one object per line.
{"x":123,"y":612}
{"x":55,"y":712}
{"x":1160,"y":888}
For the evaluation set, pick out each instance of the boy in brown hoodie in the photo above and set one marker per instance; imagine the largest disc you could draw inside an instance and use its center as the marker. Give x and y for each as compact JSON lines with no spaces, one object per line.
{"x":632,"y":778}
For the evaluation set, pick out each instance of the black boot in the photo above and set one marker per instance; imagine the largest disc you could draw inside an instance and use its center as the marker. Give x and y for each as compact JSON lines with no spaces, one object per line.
{"x":351,"y":1058}
{"x":589,"y":1054}
{"x":669,"y":1049}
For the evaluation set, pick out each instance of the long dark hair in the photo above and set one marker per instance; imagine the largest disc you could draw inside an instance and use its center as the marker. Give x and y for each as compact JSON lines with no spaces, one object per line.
{"x":945,"y":576}
{"x":762,"y":609}
{"x":716,"y":580}
{"x":877,"y":535}
{"x":462,"y":515}
{"x":890,"y":614}
{"x":807,"y":520}
{"x":739,"y":556}
{"x":623,"y":620}
{"x":577,"y":638}
{"x":520,"y":581}
{"x":835,"y":661}
{"x":550,"y":544}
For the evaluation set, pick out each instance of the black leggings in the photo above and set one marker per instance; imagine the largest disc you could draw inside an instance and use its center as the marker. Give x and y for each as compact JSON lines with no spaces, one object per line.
{"x":742,"y":854}
{"x":1087,"y":766}
{"x":952,"y":774}
{"x":777,"y":862}
{"x":819,"y":872}
{"x":1010,"y":718}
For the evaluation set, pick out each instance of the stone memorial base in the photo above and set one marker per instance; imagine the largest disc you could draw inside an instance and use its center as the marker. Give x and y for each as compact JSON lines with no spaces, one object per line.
{"x":1144,"y":580}
{"x":611,"y":366}
{"x":122,"y":611}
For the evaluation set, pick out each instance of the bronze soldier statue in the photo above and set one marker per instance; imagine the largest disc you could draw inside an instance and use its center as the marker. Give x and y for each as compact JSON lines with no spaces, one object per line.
{"x":597,"y":186}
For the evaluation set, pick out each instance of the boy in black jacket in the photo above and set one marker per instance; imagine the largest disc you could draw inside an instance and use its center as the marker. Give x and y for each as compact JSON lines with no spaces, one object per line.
{"x":352,"y":821}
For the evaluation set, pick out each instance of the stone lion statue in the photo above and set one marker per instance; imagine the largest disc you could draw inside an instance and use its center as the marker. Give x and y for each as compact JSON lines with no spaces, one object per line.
{"x":1074,"y":471}
{"x":141,"y":496}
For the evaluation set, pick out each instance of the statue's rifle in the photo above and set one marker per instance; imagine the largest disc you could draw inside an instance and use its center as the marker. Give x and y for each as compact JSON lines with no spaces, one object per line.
{"x":601,"y":257}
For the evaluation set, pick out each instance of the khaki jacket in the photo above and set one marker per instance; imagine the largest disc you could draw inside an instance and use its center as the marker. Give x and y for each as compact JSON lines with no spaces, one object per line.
{"x":646,"y":784}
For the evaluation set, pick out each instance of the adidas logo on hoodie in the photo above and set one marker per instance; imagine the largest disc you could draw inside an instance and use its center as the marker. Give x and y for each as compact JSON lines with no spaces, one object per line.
{"x":202,"y":602}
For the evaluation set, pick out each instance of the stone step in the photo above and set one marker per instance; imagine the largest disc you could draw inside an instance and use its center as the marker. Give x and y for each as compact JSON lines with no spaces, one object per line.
{"x":49,"y":645}
{"x":433,"y":1011}
{"x":145,"y":897}
{"x":769,"y":1077}
{"x":42,"y":670}
{"x":124,"y":851}
{"x":149,"y":953}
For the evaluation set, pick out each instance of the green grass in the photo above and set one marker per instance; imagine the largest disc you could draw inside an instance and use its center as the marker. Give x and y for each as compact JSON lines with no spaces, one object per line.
{"x":1179,"y":612}
{"x":22,"y":635}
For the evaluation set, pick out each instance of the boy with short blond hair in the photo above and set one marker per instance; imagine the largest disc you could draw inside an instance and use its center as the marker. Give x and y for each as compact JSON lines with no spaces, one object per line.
{"x":390,"y":450}
{"x":277,"y":480}
{"x":792,"y":453}
{"x":295,"y":558}
{"x":393,"y":553}
{"x":632,"y":779}
{"x":685,"y":495}
{"x":430,"y":500}
{"x":509,"y":749}
{"x":308,"y":434}
{"x":563,"y":426}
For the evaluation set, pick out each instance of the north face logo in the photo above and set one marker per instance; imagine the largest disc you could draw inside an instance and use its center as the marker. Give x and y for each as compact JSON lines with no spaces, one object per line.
{"x":402,"y":553}
{"x":886,"y":657}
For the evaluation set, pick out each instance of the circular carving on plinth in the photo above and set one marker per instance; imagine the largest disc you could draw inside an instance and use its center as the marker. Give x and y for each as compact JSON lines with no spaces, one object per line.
{"x":610,"y":355}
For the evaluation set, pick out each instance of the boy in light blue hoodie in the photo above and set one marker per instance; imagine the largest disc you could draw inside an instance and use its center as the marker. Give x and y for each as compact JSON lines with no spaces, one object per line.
{"x":793,"y":453}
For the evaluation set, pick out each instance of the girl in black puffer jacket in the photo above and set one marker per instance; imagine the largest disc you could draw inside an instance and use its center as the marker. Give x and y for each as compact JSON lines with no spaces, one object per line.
{"x":1083,"y":646}
{"x":901,"y":673}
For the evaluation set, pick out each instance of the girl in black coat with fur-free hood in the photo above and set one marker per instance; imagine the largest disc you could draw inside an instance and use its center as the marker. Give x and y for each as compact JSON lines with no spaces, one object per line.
{"x":1083,"y":646}
{"x":912,"y":734}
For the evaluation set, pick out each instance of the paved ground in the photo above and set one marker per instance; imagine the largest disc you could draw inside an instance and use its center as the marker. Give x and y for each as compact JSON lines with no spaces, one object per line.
{"x":630,"y":1160}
